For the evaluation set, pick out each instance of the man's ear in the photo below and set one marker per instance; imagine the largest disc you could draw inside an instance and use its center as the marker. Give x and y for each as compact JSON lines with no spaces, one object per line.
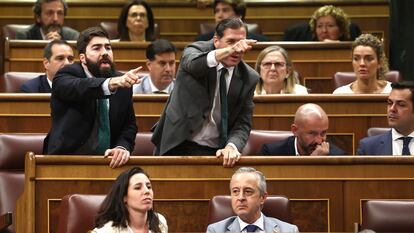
{"x":82,"y":58}
{"x":264,"y":197}
{"x":294,"y":128}
{"x":148,"y":63}
{"x":216,"y":41}
{"x":46,"y":63}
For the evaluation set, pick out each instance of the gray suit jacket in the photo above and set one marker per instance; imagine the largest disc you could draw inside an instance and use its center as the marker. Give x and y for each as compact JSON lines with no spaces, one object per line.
{"x":144,"y":87}
{"x":270,"y":224}
{"x":192,"y":99}
{"x":376,"y":145}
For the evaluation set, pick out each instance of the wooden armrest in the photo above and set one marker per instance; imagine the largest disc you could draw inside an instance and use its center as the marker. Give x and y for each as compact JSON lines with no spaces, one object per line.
{"x":5,"y":220}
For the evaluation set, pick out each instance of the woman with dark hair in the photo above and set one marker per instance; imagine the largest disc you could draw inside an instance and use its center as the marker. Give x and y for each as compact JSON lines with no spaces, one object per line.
{"x":128,"y":206}
{"x":136,"y":22}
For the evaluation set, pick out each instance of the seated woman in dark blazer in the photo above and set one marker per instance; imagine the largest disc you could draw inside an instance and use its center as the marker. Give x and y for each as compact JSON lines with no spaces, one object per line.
{"x":136,"y":22}
{"x":328,"y":23}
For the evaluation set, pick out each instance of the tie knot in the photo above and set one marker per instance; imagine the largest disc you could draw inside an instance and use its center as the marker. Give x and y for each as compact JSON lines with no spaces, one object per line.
{"x":251,"y":228}
{"x":406,"y":140}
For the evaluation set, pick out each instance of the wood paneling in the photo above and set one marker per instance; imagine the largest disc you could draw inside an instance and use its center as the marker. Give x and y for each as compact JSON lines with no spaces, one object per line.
{"x":325,"y":192}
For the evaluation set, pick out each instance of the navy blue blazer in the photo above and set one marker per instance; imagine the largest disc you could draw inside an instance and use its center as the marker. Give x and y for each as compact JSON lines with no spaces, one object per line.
{"x":302,"y":32}
{"x":287,"y":147}
{"x":376,"y":145}
{"x":36,"y":85}
{"x":73,"y":110}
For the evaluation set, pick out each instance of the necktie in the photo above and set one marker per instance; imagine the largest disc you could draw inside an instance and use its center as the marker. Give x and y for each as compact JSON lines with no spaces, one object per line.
{"x":223,"y":108}
{"x":406,"y":149}
{"x":251,"y":228}
{"x":103,"y":124}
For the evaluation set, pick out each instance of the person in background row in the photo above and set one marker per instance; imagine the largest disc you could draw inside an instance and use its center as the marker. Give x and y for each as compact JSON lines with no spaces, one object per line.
{"x":400,"y":115}
{"x":56,"y":54}
{"x":210,"y":109}
{"x":277,"y":74}
{"x":49,"y":16}
{"x":128,"y":207}
{"x":328,"y":23}
{"x":136,"y":22}
{"x":309,"y":128}
{"x":370,"y":66}
{"x":248,"y":194}
{"x":91,"y":104}
{"x":224,"y":9}
{"x":161,"y":65}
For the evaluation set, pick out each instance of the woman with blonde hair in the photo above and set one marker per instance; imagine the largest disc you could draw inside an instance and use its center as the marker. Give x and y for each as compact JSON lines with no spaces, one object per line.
{"x":277,"y":74}
{"x":370,"y":66}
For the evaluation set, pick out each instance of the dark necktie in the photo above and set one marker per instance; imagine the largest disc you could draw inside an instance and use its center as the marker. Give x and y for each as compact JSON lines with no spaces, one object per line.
{"x":223,"y":108}
{"x":406,"y":149}
{"x":251,"y":228}
{"x":104,"y":133}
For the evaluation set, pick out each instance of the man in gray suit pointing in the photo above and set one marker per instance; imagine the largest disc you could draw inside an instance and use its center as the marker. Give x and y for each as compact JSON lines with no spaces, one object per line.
{"x":248,"y":194}
{"x":209,"y":112}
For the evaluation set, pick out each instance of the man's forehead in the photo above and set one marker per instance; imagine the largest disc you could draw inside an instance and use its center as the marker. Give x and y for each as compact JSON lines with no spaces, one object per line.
{"x":99,"y":41}
{"x":400,"y":95}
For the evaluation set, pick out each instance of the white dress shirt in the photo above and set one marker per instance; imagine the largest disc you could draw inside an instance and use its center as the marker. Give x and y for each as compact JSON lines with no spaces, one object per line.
{"x":397,"y":143}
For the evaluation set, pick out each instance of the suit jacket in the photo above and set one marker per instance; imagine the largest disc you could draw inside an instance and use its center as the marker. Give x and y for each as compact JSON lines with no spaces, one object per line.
{"x":303,"y":32}
{"x":270,"y":224}
{"x":33,"y":33}
{"x":192,"y":99}
{"x":36,"y":85}
{"x":73,"y":111}
{"x":376,"y":145}
{"x":209,"y":35}
{"x":144,"y":87}
{"x":287,"y":147}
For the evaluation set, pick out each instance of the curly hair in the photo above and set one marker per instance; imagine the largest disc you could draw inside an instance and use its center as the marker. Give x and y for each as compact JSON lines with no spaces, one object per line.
{"x":377,"y":45}
{"x":289,"y":82}
{"x":338,"y":14}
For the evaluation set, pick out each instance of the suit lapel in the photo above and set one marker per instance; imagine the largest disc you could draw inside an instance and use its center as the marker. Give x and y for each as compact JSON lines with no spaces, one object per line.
{"x":270,"y":226}
{"x":386,"y":144}
{"x":235,"y":88}
{"x":234,"y":226}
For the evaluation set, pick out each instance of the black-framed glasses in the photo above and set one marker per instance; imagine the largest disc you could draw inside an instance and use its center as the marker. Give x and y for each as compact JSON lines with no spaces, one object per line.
{"x":268,"y":65}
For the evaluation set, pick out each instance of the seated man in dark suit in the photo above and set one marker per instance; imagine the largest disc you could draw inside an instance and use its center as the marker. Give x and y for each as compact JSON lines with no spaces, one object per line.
{"x":400,"y":115}
{"x":309,"y":129}
{"x":50,"y":16}
{"x":56,"y":54}
{"x":248,"y":194}
{"x":224,"y":9}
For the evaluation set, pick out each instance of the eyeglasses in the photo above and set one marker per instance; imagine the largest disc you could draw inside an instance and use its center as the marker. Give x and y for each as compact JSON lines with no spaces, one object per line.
{"x":136,"y":14}
{"x":278,"y":65}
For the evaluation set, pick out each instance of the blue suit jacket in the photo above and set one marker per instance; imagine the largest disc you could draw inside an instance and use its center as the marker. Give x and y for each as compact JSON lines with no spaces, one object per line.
{"x":287,"y":147}
{"x":376,"y":145}
{"x":36,"y":85}
{"x":270,"y":224}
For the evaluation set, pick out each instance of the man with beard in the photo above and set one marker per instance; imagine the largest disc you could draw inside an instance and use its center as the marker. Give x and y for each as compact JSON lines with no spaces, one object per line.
{"x":91,"y":104}
{"x":400,"y":114}
{"x":309,"y":129}
{"x":49,"y":16}
{"x":209,"y":112}
{"x":161,"y":66}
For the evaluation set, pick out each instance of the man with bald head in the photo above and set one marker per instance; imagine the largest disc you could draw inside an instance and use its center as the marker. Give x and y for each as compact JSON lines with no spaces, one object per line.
{"x":309,"y":129}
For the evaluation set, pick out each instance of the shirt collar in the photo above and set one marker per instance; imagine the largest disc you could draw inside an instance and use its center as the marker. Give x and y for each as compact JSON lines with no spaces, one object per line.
{"x":229,"y":69}
{"x":296,"y":147}
{"x":154,"y":88}
{"x":396,"y":135}
{"x":88,"y":74}
{"x":259,"y":222}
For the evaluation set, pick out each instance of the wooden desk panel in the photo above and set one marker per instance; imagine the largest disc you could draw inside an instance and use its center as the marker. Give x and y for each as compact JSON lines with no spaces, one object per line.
{"x":330,"y":188}
{"x":350,"y":115}
{"x":315,"y":61}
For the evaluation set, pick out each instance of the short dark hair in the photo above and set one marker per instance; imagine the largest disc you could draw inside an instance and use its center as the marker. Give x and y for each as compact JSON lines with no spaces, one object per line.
{"x":122,"y":28}
{"x":47,"y":51}
{"x":239,"y":7}
{"x":232,"y":22}
{"x":113,"y":207}
{"x":158,"y":47}
{"x":405,"y":85}
{"x":37,"y":8}
{"x":87,"y":35}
